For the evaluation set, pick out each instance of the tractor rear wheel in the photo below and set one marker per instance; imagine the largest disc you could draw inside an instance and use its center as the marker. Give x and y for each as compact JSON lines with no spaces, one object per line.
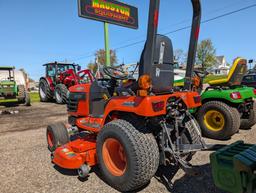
{"x":217,"y":120}
{"x":128,"y":158}
{"x":248,"y":123}
{"x":192,"y":135}
{"x":44,"y":91}
{"x":60,"y":94}
{"x":21,"y":93}
{"x":56,"y":135}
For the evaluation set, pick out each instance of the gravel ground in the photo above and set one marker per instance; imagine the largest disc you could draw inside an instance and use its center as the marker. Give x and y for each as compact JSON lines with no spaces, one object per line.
{"x":25,"y":162}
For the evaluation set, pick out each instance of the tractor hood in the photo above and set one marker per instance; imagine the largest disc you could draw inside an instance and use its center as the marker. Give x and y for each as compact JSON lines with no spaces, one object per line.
{"x":7,"y":83}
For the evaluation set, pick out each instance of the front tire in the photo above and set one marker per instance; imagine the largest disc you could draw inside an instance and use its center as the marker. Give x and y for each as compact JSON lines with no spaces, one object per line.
{"x":128,"y":158}
{"x":217,"y":120}
{"x":56,"y":135}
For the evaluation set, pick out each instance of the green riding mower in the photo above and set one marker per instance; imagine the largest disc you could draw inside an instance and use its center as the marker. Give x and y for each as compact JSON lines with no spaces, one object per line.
{"x":226,"y":105}
{"x":9,"y":89}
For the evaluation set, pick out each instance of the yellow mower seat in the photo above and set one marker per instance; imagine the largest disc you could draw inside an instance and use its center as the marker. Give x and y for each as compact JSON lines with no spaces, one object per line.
{"x":235,"y":75}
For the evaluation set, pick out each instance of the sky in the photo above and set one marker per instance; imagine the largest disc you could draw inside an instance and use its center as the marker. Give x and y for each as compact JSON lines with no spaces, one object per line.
{"x":34,"y":32}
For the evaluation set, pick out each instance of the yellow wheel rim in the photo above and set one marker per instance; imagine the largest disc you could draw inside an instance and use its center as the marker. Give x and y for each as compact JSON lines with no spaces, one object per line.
{"x":214,"y":120}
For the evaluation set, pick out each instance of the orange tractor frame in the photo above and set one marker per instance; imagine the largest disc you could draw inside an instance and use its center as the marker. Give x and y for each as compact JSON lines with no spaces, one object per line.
{"x":131,"y":127}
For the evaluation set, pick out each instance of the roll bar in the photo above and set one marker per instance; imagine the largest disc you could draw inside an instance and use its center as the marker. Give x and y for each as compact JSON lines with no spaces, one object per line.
{"x":148,"y":55}
{"x":196,"y":21}
{"x":145,"y":68}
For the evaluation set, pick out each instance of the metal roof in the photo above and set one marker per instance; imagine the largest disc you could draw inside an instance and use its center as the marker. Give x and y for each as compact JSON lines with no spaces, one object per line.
{"x":59,"y":63}
{"x":7,"y":67}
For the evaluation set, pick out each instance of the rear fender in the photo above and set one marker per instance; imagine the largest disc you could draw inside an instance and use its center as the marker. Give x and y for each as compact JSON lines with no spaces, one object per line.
{"x":143,"y":106}
{"x":221,"y":94}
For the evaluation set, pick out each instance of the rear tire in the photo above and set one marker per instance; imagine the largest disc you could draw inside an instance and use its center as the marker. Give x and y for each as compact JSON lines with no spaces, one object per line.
{"x":44,"y":91}
{"x":60,"y":94}
{"x":56,"y":135}
{"x":217,"y":120}
{"x":248,"y":123}
{"x":191,"y":135}
{"x":237,"y":117}
{"x":139,"y":158}
{"x":21,"y":93}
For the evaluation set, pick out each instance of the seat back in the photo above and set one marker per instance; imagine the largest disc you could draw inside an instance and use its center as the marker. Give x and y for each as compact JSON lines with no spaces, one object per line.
{"x":98,"y":98}
{"x":162,"y":74}
{"x":237,"y":71}
{"x":235,"y":75}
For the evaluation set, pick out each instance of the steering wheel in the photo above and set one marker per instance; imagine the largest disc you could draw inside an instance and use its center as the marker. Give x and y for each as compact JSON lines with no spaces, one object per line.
{"x":115,"y":73}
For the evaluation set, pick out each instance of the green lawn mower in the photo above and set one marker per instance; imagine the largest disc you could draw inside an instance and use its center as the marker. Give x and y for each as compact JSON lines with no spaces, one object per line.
{"x":9,"y":88}
{"x":226,"y":104}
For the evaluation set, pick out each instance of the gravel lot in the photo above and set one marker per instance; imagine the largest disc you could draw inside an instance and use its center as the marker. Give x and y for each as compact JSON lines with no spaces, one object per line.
{"x":25,"y":162}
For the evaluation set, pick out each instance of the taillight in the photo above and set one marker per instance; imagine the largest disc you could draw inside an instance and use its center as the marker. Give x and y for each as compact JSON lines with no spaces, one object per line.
{"x":254,"y":91}
{"x":158,"y":106}
{"x":197,"y":99}
{"x":235,"y":95}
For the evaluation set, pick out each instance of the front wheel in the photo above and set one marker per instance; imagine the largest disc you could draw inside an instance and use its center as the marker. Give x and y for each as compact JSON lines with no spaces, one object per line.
{"x":217,"y":120}
{"x":56,"y":135}
{"x":128,"y":158}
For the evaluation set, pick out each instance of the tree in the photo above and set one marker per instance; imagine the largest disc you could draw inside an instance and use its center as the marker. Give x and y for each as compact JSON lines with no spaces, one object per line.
{"x":100,"y":58}
{"x":179,"y":56}
{"x":92,"y":66}
{"x":206,"y":53}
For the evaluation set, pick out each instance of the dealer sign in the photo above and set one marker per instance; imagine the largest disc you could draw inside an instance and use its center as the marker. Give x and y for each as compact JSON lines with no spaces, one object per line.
{"x":109,"y":11}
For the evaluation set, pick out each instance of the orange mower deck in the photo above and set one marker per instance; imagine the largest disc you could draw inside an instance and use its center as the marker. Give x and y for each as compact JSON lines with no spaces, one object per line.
{"x":76,"y":153}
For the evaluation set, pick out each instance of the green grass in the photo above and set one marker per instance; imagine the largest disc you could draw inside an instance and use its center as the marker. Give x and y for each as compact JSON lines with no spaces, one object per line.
{"x":213,"y":77}
{"x":34,"y":97}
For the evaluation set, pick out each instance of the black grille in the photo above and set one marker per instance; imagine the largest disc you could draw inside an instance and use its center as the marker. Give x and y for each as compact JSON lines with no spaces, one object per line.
{"x":73,"y":100}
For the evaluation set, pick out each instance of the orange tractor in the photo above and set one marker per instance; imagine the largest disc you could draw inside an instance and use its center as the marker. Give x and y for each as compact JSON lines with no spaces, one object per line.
{"x":128,"y":128}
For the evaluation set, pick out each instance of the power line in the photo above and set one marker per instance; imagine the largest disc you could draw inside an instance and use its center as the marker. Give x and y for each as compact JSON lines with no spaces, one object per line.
{"x":188,"y":27}
{"x":179,"y":29}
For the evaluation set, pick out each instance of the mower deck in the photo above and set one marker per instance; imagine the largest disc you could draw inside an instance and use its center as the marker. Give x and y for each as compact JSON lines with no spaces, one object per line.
{"x":76,"y":153}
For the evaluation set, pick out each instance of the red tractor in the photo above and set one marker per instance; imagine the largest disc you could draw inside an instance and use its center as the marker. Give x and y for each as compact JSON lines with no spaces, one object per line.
{"x":59,"y":77}
{"x":129,"y":128}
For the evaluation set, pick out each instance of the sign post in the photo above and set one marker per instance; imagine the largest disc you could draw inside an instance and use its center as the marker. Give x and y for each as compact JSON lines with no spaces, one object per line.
{"x":107,"y":51}
{"x":109,"y":11}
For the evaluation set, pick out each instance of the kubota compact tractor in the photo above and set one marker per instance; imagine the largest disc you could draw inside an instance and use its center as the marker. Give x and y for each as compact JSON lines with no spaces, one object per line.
{"x":131,"y":128}
{"x":59,"y":77}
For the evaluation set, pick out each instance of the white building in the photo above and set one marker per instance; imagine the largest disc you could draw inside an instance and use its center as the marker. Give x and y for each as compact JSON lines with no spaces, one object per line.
{"x":221,"y":67}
